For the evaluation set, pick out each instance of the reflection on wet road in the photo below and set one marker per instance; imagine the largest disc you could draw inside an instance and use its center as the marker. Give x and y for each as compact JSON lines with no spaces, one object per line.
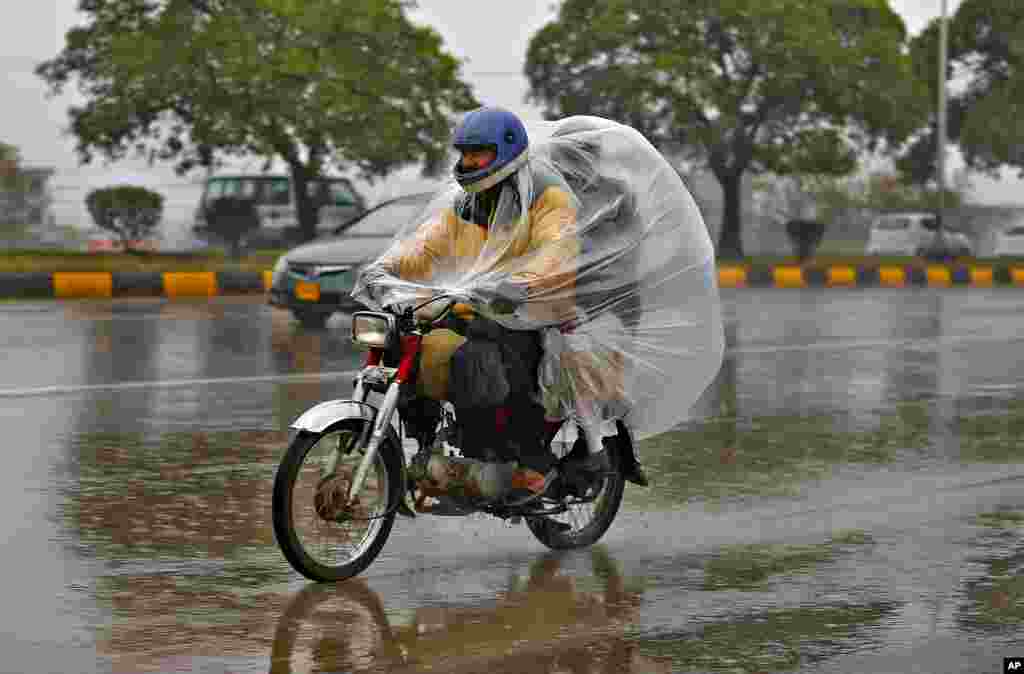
{"x":848,"y":497}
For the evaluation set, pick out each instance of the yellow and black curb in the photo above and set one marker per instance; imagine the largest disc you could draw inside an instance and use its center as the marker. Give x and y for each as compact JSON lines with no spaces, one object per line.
{"x":881,"y":276}
{"x":208,"y":284}
{"x":67,"y":285}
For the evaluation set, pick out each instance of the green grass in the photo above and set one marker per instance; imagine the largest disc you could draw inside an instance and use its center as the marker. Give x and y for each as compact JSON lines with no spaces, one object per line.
{"x":997,"y":600}
{"x":748,"y":567}
{"x":72,"y":261}
{"x":992,"y":437}
{"x":1001,"y":519}
{"x":773,"y":641}
{"x":768,"y":455}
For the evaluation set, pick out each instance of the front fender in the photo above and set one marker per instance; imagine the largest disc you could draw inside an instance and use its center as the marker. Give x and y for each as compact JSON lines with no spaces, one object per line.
{"x":320,"y":417}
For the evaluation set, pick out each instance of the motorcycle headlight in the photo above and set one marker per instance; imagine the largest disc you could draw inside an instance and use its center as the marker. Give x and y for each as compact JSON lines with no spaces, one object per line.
{"x":372,"y":329}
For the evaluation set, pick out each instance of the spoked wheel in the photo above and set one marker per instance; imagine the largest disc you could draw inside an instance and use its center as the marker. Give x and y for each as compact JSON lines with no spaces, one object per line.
{"x":583,"y":524}
{"x":322,"y":536}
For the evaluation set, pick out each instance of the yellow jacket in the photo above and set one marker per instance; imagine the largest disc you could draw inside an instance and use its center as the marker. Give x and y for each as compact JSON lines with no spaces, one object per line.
{"x":540,"y":254}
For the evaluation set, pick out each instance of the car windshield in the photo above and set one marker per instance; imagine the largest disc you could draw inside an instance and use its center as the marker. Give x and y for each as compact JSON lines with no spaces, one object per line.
{"x":264,"y":190}
{"x":386,"y":220}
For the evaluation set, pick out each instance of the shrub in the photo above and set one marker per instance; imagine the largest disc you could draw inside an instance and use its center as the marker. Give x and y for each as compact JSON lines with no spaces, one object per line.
{"x":132,"y":213}
{"x":805,"y":235}
{"x":231,"y":218}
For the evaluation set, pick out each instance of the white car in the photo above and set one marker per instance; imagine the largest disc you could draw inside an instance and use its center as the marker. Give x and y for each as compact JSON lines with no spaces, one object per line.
{"x":1010,"y":240}
{"x":912,"y":234}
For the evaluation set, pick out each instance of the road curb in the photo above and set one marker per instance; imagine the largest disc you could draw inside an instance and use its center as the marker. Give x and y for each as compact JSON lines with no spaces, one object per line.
{"x":876,"y":276}
{"x":72,"y":285}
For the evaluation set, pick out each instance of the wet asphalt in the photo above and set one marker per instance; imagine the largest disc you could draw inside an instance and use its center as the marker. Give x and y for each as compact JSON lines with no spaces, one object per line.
{"x":848,"y":497}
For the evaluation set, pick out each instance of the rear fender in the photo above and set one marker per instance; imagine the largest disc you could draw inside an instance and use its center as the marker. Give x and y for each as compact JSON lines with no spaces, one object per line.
{"x":628,"y":442}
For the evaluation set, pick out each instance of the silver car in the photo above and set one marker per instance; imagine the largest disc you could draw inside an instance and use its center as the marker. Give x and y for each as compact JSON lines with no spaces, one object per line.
{"x":913,"y":234}
{"x":315,"y":280}
{"x":1009,"y":241}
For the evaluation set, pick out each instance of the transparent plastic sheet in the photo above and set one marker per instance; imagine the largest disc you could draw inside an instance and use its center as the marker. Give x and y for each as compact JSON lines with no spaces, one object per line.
{"x":613,"y":260}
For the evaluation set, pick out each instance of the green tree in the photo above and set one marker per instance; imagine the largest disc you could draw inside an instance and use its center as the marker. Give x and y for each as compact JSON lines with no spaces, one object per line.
{"x":782,"y":86}
{"x":15,"y":184}
{"x":351,"y":84}
{"x":132,"y":213}
{"x":986,"y":108}
{"x":12,"y":177}
{"x":10,"y":164}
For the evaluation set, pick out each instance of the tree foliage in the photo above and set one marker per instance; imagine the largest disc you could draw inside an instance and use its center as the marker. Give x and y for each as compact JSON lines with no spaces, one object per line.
{"x":132,"y":213}
{"x":348,"y":84}
{"x":11,"y":177}
{"x":786,"y":86}
{"x":986,"y":103}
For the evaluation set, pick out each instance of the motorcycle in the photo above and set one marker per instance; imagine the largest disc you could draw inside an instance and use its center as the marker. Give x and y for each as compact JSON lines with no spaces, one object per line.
{"x":345,"y":476}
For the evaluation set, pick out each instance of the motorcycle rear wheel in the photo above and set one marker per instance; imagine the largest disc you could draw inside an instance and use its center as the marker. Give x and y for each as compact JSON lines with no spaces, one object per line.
{"x":587,"y":522}
{"x":335,"y":549}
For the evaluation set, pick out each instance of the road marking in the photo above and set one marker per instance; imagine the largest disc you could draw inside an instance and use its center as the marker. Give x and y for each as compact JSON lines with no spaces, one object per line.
{"x":171,"y":383}
{"x":847,"y":345}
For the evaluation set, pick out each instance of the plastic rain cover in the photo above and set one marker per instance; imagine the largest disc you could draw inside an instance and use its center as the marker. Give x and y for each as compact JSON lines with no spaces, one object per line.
{"x":612,"y":256}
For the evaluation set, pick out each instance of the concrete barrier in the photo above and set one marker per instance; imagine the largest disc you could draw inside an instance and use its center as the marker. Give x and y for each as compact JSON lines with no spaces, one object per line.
{"x":107,"y":285}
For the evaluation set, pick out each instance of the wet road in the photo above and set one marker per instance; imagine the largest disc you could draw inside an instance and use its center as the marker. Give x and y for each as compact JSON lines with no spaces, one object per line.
{"x":848,"y":498}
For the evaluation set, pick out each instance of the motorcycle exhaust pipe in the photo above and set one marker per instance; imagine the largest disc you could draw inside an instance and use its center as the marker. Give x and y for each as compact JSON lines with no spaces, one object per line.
{"x":461,"y":477}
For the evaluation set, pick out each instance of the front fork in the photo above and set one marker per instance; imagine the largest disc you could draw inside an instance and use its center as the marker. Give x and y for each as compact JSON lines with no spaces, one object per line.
{"x":410,"y":349}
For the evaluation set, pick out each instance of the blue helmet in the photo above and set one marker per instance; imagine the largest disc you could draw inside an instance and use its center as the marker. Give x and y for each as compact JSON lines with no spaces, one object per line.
{"x":496,"y":129}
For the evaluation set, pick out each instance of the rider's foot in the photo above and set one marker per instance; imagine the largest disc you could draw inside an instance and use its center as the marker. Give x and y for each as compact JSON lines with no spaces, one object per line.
{"x":528,"y":479}
{"x":528,"y":484}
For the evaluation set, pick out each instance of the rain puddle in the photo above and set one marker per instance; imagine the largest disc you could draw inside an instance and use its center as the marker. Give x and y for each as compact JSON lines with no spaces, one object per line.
{"x":179,"y":526}
{"x":993,"y":599}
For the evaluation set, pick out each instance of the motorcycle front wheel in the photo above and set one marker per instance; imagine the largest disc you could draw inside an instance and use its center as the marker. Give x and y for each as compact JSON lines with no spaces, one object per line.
{"x":322,"y":536}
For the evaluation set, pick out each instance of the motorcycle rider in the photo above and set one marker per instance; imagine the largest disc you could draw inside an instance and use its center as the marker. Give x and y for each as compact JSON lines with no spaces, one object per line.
{"x":487,"y":371}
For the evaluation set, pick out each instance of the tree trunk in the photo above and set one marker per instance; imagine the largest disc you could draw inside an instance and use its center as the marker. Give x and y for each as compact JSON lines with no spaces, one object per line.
{"x":730,"y":242}
{"x":305,"y":209}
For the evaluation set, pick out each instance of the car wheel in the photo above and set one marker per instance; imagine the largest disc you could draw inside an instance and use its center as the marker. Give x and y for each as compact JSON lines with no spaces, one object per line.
{"x":311,"y":320}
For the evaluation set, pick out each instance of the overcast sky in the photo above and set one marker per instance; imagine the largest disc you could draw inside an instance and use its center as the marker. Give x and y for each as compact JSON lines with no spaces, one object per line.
{"x":489,"y":35}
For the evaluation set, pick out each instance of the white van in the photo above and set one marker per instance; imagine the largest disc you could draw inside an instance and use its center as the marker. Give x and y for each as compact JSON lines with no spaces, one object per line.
{"x":336,"y":198}
{"x":911,"y":234}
